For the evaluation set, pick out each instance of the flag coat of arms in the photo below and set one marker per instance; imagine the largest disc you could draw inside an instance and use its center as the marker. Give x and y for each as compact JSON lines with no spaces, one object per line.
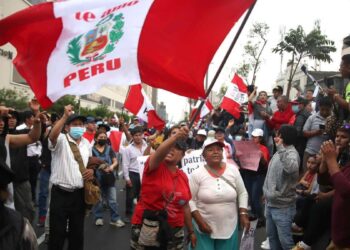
{"x":236,"y":95}
{"x":75,"y":47}
{"x":138,"y":103}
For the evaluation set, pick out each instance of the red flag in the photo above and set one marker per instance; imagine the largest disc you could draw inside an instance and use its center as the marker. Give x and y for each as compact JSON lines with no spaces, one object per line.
{"x":206,"y":109}
{"x":75,"y":47}
{"x":115,"y":138}
{"x":138,"y":103}
{"x":235,"y":96}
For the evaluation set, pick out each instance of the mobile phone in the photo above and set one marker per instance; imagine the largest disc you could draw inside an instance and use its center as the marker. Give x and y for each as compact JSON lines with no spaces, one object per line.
{"x":322,"y":126}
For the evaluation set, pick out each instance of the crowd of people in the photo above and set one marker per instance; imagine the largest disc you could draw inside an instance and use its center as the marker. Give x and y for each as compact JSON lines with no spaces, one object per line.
{"x":299,"y":192}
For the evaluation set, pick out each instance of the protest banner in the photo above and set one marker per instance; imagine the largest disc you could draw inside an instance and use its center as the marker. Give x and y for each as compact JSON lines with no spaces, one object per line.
{"x":248,"y":154}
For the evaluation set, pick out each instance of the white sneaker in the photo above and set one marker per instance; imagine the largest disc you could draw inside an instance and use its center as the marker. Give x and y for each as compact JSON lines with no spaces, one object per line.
{"x":265,"y":244}
{"x":99,"y":222}
{"x":118,"y":223}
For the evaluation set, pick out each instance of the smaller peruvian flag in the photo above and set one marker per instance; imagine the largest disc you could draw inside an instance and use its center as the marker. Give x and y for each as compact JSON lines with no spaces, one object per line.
{"x":206,"y":109}
{"x":116,"y":138}
{"x":138,"y":103}
{"x":235,"y":96}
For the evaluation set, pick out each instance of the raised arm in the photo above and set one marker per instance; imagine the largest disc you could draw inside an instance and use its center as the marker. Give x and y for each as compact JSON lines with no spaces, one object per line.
{"x":163,"y":149}
{"x":56,"y":130}
{"x":16,"y":141}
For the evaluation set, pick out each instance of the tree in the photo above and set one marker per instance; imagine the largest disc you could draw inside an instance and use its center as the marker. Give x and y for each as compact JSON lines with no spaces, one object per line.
{"x":13,"y":99}
{"x":58,"y":106}
{"x":253,"y":50}
{"x":313,"y":45}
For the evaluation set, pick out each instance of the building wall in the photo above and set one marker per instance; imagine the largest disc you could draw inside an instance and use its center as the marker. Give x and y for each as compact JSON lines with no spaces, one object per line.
{"x":112,"y":95}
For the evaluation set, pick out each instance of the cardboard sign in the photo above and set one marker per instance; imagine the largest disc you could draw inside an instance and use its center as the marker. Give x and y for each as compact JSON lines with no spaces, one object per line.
{"x":248,"y":154}
{"x":191,"y":161}
{"x":141,"y":161}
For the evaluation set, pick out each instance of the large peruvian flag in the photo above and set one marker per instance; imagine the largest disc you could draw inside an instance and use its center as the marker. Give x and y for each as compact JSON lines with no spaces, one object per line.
{"x":235,"y":96}
{"x":75,"y":47}
{"x":138,"y":103}
{"x":206,"y":109}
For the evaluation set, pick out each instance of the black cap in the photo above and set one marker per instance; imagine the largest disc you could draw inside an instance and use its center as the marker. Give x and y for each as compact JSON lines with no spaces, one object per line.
{"x":181,"y":145}
{"x":104,"y":125}
{"x":278,"y":88}
{"x":220,"y":129}
{"x":6,"y":174}
{"x":74,"y":117}
{"x":300,"y":100}
{"x":90,"y":119}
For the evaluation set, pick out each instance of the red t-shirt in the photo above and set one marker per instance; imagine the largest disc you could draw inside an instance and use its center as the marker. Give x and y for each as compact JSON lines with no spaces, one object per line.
{"x":159,"y":184}
{"x":89,"y":136}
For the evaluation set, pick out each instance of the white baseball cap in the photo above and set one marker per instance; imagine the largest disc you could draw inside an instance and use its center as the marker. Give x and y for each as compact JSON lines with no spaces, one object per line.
{"x":202,"y":132}
{"x":211,"y":141}
{"x":258,"y":132}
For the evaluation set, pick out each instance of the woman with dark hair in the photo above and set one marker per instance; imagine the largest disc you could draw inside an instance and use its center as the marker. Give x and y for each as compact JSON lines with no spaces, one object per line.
{"x":163,"y":210}
{"x":254,"y":180}
{"x":106,"y":177}
{"x":279,"y":189}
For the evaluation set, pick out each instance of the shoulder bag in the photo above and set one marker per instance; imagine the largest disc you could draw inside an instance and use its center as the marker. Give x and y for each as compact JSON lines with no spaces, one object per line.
{"x":92,"y":192}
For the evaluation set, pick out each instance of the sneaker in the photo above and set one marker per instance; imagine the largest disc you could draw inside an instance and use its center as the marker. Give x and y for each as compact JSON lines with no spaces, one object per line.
{"x":301,"y":246}
{"x":99,"y":222}
{"x":265,"y":244}
{"x":41,"y":221}
{"x":127,"y":220}
{"x":118,"y":223}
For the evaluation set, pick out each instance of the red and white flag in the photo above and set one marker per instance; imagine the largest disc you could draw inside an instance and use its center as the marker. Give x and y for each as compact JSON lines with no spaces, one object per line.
{"x":206,"y":109}
{"x":138,"y":103}
{"x":75,"y":47}
{"x":115,"y":138}
{"x":236,"y":95}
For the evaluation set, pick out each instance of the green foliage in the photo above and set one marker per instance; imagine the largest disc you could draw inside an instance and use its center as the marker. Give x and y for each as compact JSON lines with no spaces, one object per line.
{"x":313,"y":45}
{"x":101,"y":111}
{"x":58,"y":106}
{"x":12,"y":99}
{"x":74,"y":50}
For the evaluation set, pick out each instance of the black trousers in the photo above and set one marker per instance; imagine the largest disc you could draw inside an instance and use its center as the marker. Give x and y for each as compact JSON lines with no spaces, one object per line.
{"x":319,"y":221}
{"x":132,"y":192}
{"x":34,"y":169}
{"x":66,"y":207}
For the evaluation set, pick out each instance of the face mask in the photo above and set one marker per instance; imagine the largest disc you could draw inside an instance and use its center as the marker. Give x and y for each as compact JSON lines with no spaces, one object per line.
{"x":76,"y":132}
{"x":102,"y":142}
{"x":295,"y":109}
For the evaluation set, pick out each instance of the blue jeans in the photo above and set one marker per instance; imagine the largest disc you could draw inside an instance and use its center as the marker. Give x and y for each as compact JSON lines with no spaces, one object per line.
{"x":44,"y":179}
{"x":109,"y":194}
{"x":254,"y":185}
{"x":278,"y":227}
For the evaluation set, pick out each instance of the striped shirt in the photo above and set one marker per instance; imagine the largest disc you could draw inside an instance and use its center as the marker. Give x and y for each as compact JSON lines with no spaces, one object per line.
{"x":130,"y":154}
{"x":64,"y":168}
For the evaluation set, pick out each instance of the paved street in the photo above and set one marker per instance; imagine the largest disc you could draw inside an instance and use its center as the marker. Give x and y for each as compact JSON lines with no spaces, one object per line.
{"x":111,"y":238}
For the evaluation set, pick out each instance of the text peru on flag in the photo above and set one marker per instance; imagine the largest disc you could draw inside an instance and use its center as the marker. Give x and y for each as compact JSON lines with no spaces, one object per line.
{"x":77,"y":46}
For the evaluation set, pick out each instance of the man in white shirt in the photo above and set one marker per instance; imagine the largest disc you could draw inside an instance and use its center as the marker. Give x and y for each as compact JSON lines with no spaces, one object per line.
{"x":131,"y":167}
{"x":277,"y":92}
{"x":67,"y":193}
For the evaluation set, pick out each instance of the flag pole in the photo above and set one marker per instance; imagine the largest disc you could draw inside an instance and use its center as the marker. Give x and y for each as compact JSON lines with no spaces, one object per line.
{"x":222,"y":64}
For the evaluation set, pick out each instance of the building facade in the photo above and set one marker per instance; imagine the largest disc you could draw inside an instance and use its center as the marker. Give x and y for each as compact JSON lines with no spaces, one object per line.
{"x":112,"y":96}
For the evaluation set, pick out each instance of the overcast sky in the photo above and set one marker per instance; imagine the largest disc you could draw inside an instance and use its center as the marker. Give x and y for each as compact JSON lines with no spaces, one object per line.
{"x":333,"y":16}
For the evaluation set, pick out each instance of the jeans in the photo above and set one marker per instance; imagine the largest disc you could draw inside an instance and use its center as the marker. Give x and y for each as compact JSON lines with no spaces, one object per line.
{"x":44,"y":179}
{"x":254,"y":184}
{"x":278,"y":227}
{"x":109,"y":194}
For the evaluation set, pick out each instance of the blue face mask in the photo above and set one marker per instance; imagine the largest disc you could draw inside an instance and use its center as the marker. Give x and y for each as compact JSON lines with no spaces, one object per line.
{"x":76,"y":132}
{"x":295,"y":109}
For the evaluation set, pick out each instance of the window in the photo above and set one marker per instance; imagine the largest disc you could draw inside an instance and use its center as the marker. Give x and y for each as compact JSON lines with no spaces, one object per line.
{"x":17,"y":78}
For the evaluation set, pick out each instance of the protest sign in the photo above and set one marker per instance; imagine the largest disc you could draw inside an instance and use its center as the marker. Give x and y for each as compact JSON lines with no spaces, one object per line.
{"x":247,"y":241}
{"x":141,"y":161}
{"x":191,"y":161}
{"x":248,"y":154}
